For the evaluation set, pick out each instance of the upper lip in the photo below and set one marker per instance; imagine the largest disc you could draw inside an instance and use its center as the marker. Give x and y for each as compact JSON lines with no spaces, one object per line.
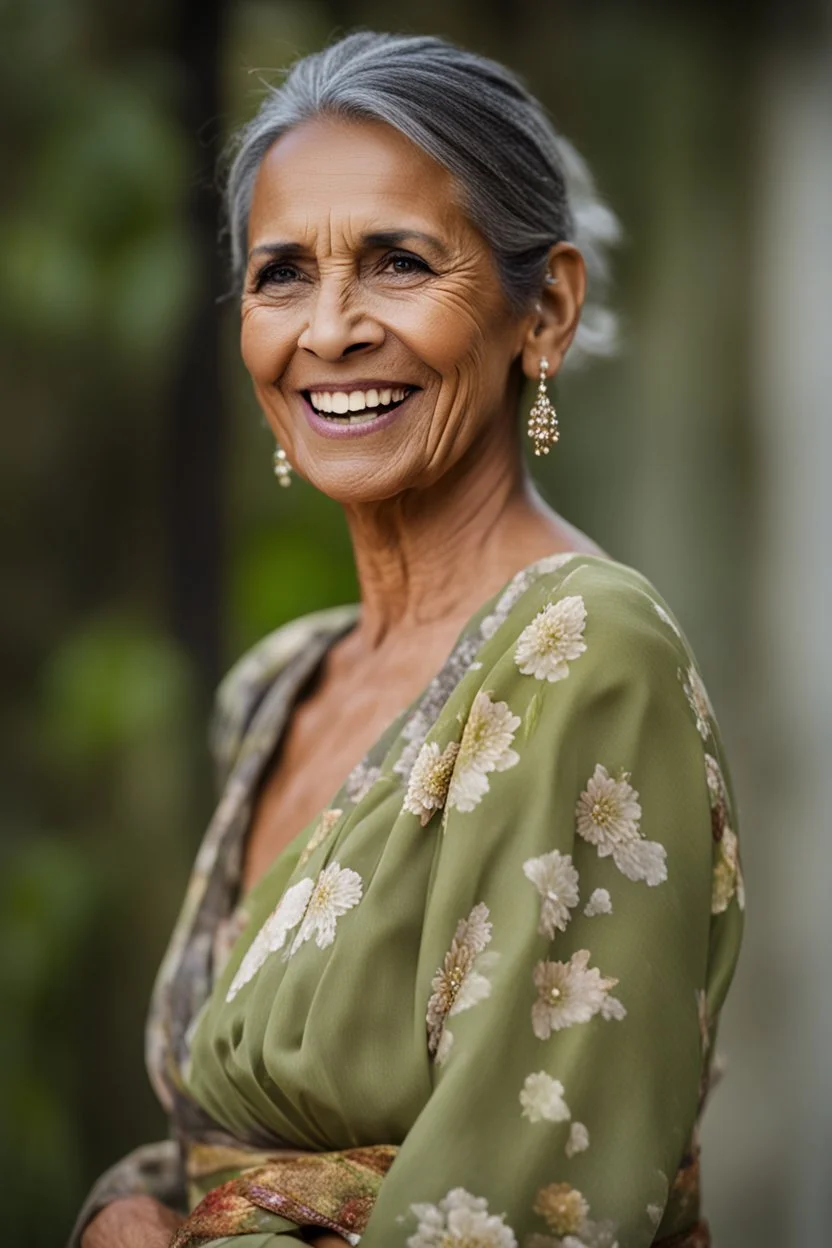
{"x":345,"y":387}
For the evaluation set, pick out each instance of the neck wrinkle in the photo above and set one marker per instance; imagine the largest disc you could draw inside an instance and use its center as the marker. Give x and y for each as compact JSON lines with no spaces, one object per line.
{"x":424,"y":555}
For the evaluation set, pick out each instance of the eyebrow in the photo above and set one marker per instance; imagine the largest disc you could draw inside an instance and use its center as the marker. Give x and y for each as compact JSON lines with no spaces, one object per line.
{"x":378,"y":238}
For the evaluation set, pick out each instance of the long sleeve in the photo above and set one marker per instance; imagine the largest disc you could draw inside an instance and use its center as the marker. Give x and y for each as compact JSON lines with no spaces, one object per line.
{"x":150,"y":1170}
{"x":579,"y":933}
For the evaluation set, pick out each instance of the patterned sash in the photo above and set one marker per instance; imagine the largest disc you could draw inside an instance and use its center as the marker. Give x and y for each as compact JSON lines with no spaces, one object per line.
{"x":333,"y":1191}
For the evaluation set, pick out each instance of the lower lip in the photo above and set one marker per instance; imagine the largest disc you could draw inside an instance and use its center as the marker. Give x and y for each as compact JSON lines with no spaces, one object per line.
{"x":334,"y":429}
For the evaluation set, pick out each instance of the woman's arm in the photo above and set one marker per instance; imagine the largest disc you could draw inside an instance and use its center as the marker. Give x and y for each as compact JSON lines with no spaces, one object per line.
{"x":576,"y":961}
{"x":132,"y":1222}
{"x":151,"y":1172}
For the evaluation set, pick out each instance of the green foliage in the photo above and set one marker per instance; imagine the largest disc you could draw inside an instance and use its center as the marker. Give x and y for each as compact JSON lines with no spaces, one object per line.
{"x":48,"y":900}
{"x":108,"y":687}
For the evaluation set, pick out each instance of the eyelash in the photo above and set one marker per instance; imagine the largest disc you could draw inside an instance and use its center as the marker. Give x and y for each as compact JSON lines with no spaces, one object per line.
{"x":269,"y":271}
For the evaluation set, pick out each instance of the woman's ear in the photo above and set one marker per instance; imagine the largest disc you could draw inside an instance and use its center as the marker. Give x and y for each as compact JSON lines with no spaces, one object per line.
{"x":557,"y":311}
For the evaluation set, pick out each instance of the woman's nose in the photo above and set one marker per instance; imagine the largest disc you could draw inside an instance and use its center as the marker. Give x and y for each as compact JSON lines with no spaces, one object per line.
{"x":338,"y":324}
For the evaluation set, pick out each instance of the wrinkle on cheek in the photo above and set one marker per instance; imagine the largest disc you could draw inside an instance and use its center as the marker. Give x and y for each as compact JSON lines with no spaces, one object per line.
{"x":458,"y":408}
{"x":266,"y":341}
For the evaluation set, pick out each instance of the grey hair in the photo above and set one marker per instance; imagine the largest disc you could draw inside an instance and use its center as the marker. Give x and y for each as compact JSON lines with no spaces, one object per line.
{"x":525,"y":186}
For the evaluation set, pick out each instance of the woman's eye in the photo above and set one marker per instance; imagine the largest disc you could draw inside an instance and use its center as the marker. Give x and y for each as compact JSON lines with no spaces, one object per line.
{"x":276,"y":275}
{"x":404,"y":265}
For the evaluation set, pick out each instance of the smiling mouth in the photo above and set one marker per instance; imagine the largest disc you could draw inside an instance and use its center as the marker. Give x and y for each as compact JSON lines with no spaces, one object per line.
{"x":356,"y":407}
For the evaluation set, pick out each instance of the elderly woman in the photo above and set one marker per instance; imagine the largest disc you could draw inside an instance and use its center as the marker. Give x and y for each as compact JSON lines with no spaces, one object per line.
{"x":451,"y":960}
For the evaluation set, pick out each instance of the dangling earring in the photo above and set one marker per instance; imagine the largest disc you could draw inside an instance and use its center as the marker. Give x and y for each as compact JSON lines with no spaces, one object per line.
{"x":543,"y":420}
{"x":282,"y":467}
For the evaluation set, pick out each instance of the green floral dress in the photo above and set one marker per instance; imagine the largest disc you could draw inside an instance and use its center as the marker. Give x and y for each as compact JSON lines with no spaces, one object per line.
{"x":475,"y":1002}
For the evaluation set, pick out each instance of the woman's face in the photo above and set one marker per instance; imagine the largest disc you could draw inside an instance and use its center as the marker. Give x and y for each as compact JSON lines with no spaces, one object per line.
{"x":374,"y":324}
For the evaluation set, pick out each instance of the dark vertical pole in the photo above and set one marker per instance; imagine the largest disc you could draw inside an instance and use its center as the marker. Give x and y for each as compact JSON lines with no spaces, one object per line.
{"x":194,"y":486}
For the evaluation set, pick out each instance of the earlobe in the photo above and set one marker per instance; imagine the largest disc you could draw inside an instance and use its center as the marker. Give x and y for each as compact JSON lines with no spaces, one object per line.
{"x":557,"y":310}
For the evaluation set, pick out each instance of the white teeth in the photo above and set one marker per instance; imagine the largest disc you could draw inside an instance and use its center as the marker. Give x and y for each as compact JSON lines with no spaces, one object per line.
{"x":340,"y":402}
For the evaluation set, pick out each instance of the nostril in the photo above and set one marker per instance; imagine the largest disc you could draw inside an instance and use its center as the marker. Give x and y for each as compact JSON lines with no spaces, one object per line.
{"x":356,"y":346}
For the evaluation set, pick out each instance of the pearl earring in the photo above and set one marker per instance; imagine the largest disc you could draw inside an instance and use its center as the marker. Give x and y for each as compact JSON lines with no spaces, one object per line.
{"x":543,"y":420}
{"x":282,"y":467}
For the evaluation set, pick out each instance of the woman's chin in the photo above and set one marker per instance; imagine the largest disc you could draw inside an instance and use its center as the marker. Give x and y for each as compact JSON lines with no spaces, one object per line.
{"x":357,"y":481}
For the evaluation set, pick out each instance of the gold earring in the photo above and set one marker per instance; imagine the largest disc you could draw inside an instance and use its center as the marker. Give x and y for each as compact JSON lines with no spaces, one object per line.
{"x":282,"y":467}
{"x":543,"y":420}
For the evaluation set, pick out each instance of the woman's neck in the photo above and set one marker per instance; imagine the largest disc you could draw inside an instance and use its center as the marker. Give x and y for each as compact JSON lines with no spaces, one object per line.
{"x":435,"y":554}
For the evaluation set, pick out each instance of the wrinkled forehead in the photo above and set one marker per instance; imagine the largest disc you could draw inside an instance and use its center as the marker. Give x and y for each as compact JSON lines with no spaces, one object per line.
{"x":327,"y":183}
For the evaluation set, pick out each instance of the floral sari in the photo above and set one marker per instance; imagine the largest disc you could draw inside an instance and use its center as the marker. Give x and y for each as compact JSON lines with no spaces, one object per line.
{"x":475,"y":1001}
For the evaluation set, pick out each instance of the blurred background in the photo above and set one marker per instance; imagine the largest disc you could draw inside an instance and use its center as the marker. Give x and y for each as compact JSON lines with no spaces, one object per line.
{"x":148,"y":544}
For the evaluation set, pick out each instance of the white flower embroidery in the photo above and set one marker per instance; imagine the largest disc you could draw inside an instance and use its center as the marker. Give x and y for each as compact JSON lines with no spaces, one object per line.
{"x":714,"y":778}
{"x":336,"y":891}
{"x":360,"y":780}
{"x":553,"y":563}
{"x":556,"y":880}
{"x":568,"y":993}
{"x":518,"y":586}
{"x":554,"y":637}
{"x":457,"y":986}
{"x":599,"y":903}
{"x":460,"y":1219}
{"x":578,"y":1141}
{"x":430,"y":778}
{"x":666,"y":618}
{"x":485,"y":747}
{"x":654,"y":1213}
{"x":697,"y":696}
{"x":542,"y":1099}
{"x":612,"y":1008}
{"x":272,"y":935}
{"x":655,"y":1210}
{"x":608,"y":815}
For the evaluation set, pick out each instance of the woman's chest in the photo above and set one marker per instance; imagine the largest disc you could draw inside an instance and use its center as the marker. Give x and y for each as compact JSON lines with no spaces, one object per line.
{"x":326,"y":737}
{"x":328,"y":734}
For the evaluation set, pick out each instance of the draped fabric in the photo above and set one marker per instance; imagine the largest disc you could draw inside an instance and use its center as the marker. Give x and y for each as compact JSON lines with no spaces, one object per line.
{"x":494,"y":964}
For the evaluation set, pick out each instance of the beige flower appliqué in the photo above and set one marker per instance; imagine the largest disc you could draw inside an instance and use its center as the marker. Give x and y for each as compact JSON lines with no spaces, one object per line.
{"x":727,"y":873}
{"x":571,"y":992}
{"x":608,"y":815}
{"x":327,"y":822}
{"x":485,"y":747}
{"x":457,"y":986}
{"x":565,"y":1211}
{"x":430,"y":779}
{"x":555,"y":878}
{"x":553,"y":639}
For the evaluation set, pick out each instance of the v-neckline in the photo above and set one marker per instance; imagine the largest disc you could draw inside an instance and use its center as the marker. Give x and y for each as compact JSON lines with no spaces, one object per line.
{"x":427,"y":704}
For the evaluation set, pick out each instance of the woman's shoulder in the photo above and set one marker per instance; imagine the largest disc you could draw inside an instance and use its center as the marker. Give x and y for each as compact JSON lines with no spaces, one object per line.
{"x":603,"y":625}
{"x":244,"y":685}
{"x":578,"y":592}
